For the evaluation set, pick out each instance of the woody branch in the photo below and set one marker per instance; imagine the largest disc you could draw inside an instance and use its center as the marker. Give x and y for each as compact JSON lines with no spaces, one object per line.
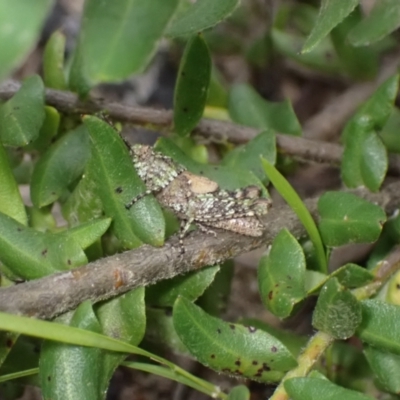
{"x":301,"y":148}
{"x":108,"y":277}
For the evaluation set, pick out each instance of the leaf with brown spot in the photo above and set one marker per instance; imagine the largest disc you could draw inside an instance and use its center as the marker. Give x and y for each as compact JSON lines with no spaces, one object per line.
{"x":230,"y":347}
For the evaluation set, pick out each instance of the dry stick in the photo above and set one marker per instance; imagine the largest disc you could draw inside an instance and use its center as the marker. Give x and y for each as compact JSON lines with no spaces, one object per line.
{"x":108,"y":277}
{"x":298,"y":147}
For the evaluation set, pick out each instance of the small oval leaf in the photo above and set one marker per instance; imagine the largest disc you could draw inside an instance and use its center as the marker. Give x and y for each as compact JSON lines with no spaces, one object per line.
{"x":386,"y":367}
{"x":192,"y":85}
{"x":117,"y":183}
{"x":10,"y":197}
{"x":318,"y":389}
{"x":61,"y":165}
{"x":346,"y":218}
{"x":364,"y":161}
{"x":338,"y":312}
{"x":83,"y":204}
{"x":247,"y":157}
{"x":53,"y":62}
{"x":247,"y":107}
{"x":48,"y":131}
{"x":281,"y":275}
{"x":239,"y":393}
{"x":63,"y":368}
{"x":191,"y":286}
{"x":201,"y":15}
{"x":380,"y":325}
{"x":383,"y":19}
{"x":227,"y":177}
{"x":31,"y":254}
{"x":231,"y":348}
{"x":87,"y":233}
{"x":331,"y":13}
{"x":21,"y":23}
{"x":133,"y":30}
{"x":22,"y":116}
{"x":122,"y":318}
{"x":161,"y":332}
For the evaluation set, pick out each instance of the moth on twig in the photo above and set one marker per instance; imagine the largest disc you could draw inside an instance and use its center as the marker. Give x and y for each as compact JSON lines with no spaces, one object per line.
{"x":196,"y":199}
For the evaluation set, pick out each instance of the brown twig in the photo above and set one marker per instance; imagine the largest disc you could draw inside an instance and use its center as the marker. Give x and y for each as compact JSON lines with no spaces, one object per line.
{"x":108,"y":277}
{"x":298,"y":147}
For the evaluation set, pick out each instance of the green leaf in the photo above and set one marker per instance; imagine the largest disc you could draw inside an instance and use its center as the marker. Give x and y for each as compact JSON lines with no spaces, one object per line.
{"x":294,"y":201}
{"x":133,"y":28}
{"x":314,"y":281}
{"x":10,"y":197}
{"x":383,"y":19}
{"x":364,"y":160}
{"x":160,"y":330}
{"x":314,"y":388}
{"x":380,"y":325}
{"x":191,"y":286}
{"x":217,"y":93}
{"x":215,"y":298}
{"x":53,"y":62}
{"x":81,"y":337}
{"x":84,"y":204}
{"x":63,"y":366}
{"x":192,"y":85}
{"x":122,"y":318}
{"x":41,"y":219}
{"x":374,"y":161}
{"x":386,"y":367}
{"x":239,"y":393}
{"x":227,"y":177}
{"x":360,"y":62}
{"x":231,"y":348}
{"x":293,"y":342}
{"x":117,"y":183}
{"x":87,"y":233}
{"x":323,"y":57}
{"x":393,"y":288}
{"x":7,"y":342}
{"x":352,"y":275}
{"x":349,"y":275}
{"x":247,"y":107}
{"x":346,"y":218}
{"x":61,"y":165}
{"x":31,"y":254}
{"x":389,"y":133}
{"x":338,"y":312}
{"x":15,"y":156}
{"x":22,"y":355}
{"x":48,"y":131}
{"x":331,"y":13}
{"x":247,"y":157}
{"x":22,"y":116}
{"x":21,"y":23}
{"x":200,"y":16}
{"x":374,"y":113}
{"x":281,"y":275}
{"x":347,"y":366}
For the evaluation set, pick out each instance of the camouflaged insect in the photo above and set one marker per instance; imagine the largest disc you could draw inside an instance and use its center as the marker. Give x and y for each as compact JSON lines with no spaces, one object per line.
{"x":196,"y":199}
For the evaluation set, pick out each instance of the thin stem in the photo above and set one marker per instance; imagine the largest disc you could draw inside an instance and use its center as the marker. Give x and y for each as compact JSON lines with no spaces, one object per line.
{"x":314,"y":350}
{"x":300,"y":148}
